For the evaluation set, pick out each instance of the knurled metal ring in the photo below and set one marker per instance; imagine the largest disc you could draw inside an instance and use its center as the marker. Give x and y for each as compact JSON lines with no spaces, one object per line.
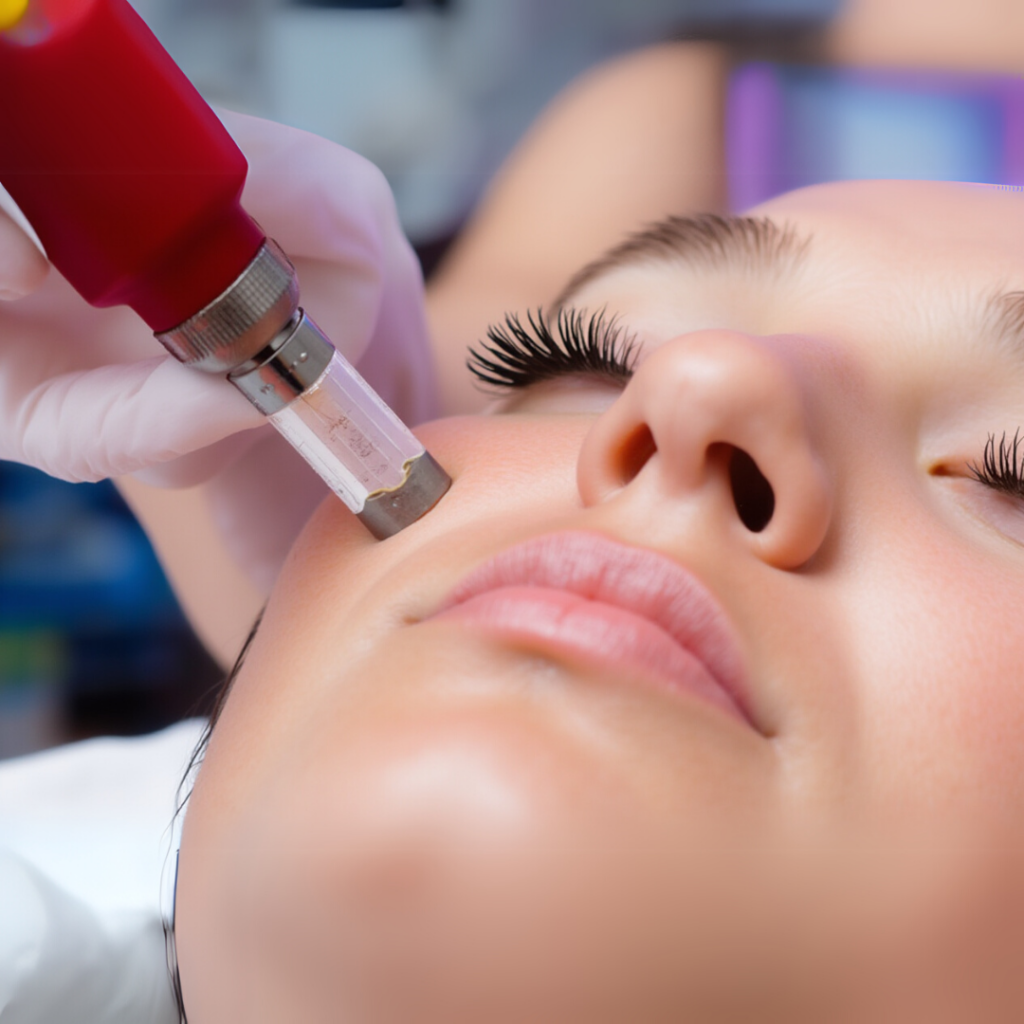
{"x":243,"y":319}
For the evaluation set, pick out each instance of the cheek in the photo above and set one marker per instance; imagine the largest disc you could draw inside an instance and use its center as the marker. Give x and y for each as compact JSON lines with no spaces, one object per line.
{"x":512,"y":476}
{"x":518,"y":468}
{"x":499,"y":465}
{"x":509,"y":461}
{"x":942,"y":658}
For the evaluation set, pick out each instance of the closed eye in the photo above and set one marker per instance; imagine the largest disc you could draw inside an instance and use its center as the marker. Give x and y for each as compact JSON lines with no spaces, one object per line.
{"x":516,"y":355}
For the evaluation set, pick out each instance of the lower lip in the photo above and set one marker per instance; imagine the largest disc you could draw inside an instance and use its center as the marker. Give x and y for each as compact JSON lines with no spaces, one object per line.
{"x":594,"y":634}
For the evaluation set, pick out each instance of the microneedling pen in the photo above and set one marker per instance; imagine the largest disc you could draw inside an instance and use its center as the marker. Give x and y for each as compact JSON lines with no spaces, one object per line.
{"x":133,"y":185}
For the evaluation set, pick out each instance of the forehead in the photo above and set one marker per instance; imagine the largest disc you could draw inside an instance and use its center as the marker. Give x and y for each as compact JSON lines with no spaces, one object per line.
{"x":948,"y":228}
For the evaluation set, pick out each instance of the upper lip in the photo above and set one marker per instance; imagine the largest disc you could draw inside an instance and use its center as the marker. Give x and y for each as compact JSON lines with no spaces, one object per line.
{"x":635,"y":579}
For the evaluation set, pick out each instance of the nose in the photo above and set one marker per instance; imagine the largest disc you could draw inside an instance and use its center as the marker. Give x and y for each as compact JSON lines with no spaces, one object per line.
{"x":720,"y":417}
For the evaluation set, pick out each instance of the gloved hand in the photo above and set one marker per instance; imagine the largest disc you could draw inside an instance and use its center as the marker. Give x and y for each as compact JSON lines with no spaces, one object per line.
{"x":87,"y":394}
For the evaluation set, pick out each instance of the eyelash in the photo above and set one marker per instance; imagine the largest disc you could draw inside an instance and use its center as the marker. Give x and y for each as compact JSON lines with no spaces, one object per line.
{"x":516,"y":355}
{"x":1002,"y":467}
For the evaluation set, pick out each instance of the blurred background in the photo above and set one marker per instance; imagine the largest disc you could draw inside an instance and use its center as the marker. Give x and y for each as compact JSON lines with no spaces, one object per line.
{"x":436,"y":93}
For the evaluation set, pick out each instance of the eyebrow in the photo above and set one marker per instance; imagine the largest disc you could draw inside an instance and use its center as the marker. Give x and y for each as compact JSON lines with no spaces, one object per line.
{"x":1004,"y":315}
{"x":708,"y":241}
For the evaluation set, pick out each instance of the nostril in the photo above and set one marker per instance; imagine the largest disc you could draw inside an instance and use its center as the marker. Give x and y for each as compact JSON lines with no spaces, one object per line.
{"x":751,"y":492}
{"x":635,"y":452}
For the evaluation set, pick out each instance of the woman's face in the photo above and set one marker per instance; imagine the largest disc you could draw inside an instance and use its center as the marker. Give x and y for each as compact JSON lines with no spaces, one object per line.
{"x":612,"y":734}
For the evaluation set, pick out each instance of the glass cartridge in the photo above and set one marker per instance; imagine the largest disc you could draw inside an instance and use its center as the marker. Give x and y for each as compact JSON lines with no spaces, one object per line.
{"x":329,"y":414}
{"x":285,"y":365}
{"x":348,"y":435}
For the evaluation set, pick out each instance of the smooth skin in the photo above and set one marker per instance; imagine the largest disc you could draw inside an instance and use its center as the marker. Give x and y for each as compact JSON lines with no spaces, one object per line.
{"x":401,"y":818}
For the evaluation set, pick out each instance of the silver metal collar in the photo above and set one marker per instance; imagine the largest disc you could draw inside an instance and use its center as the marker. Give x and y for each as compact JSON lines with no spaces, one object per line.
{"x":243,"y":319}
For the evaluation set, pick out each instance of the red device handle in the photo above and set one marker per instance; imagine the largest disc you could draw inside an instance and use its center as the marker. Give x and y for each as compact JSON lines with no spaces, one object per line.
{"x":127,"y":176}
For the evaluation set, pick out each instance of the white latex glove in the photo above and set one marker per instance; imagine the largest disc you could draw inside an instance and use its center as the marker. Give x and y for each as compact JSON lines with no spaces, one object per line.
{"x":87,"y":394}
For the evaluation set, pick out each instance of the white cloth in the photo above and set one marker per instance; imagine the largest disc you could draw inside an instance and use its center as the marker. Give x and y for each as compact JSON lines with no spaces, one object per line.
{"x":85,"y":842}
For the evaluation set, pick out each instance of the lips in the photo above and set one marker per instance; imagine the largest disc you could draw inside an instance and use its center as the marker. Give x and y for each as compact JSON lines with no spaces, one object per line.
{"x":610,"y":605}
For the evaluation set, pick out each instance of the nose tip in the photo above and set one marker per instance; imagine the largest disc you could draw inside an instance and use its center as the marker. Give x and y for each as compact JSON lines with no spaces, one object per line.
{"x":724,"y":408}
